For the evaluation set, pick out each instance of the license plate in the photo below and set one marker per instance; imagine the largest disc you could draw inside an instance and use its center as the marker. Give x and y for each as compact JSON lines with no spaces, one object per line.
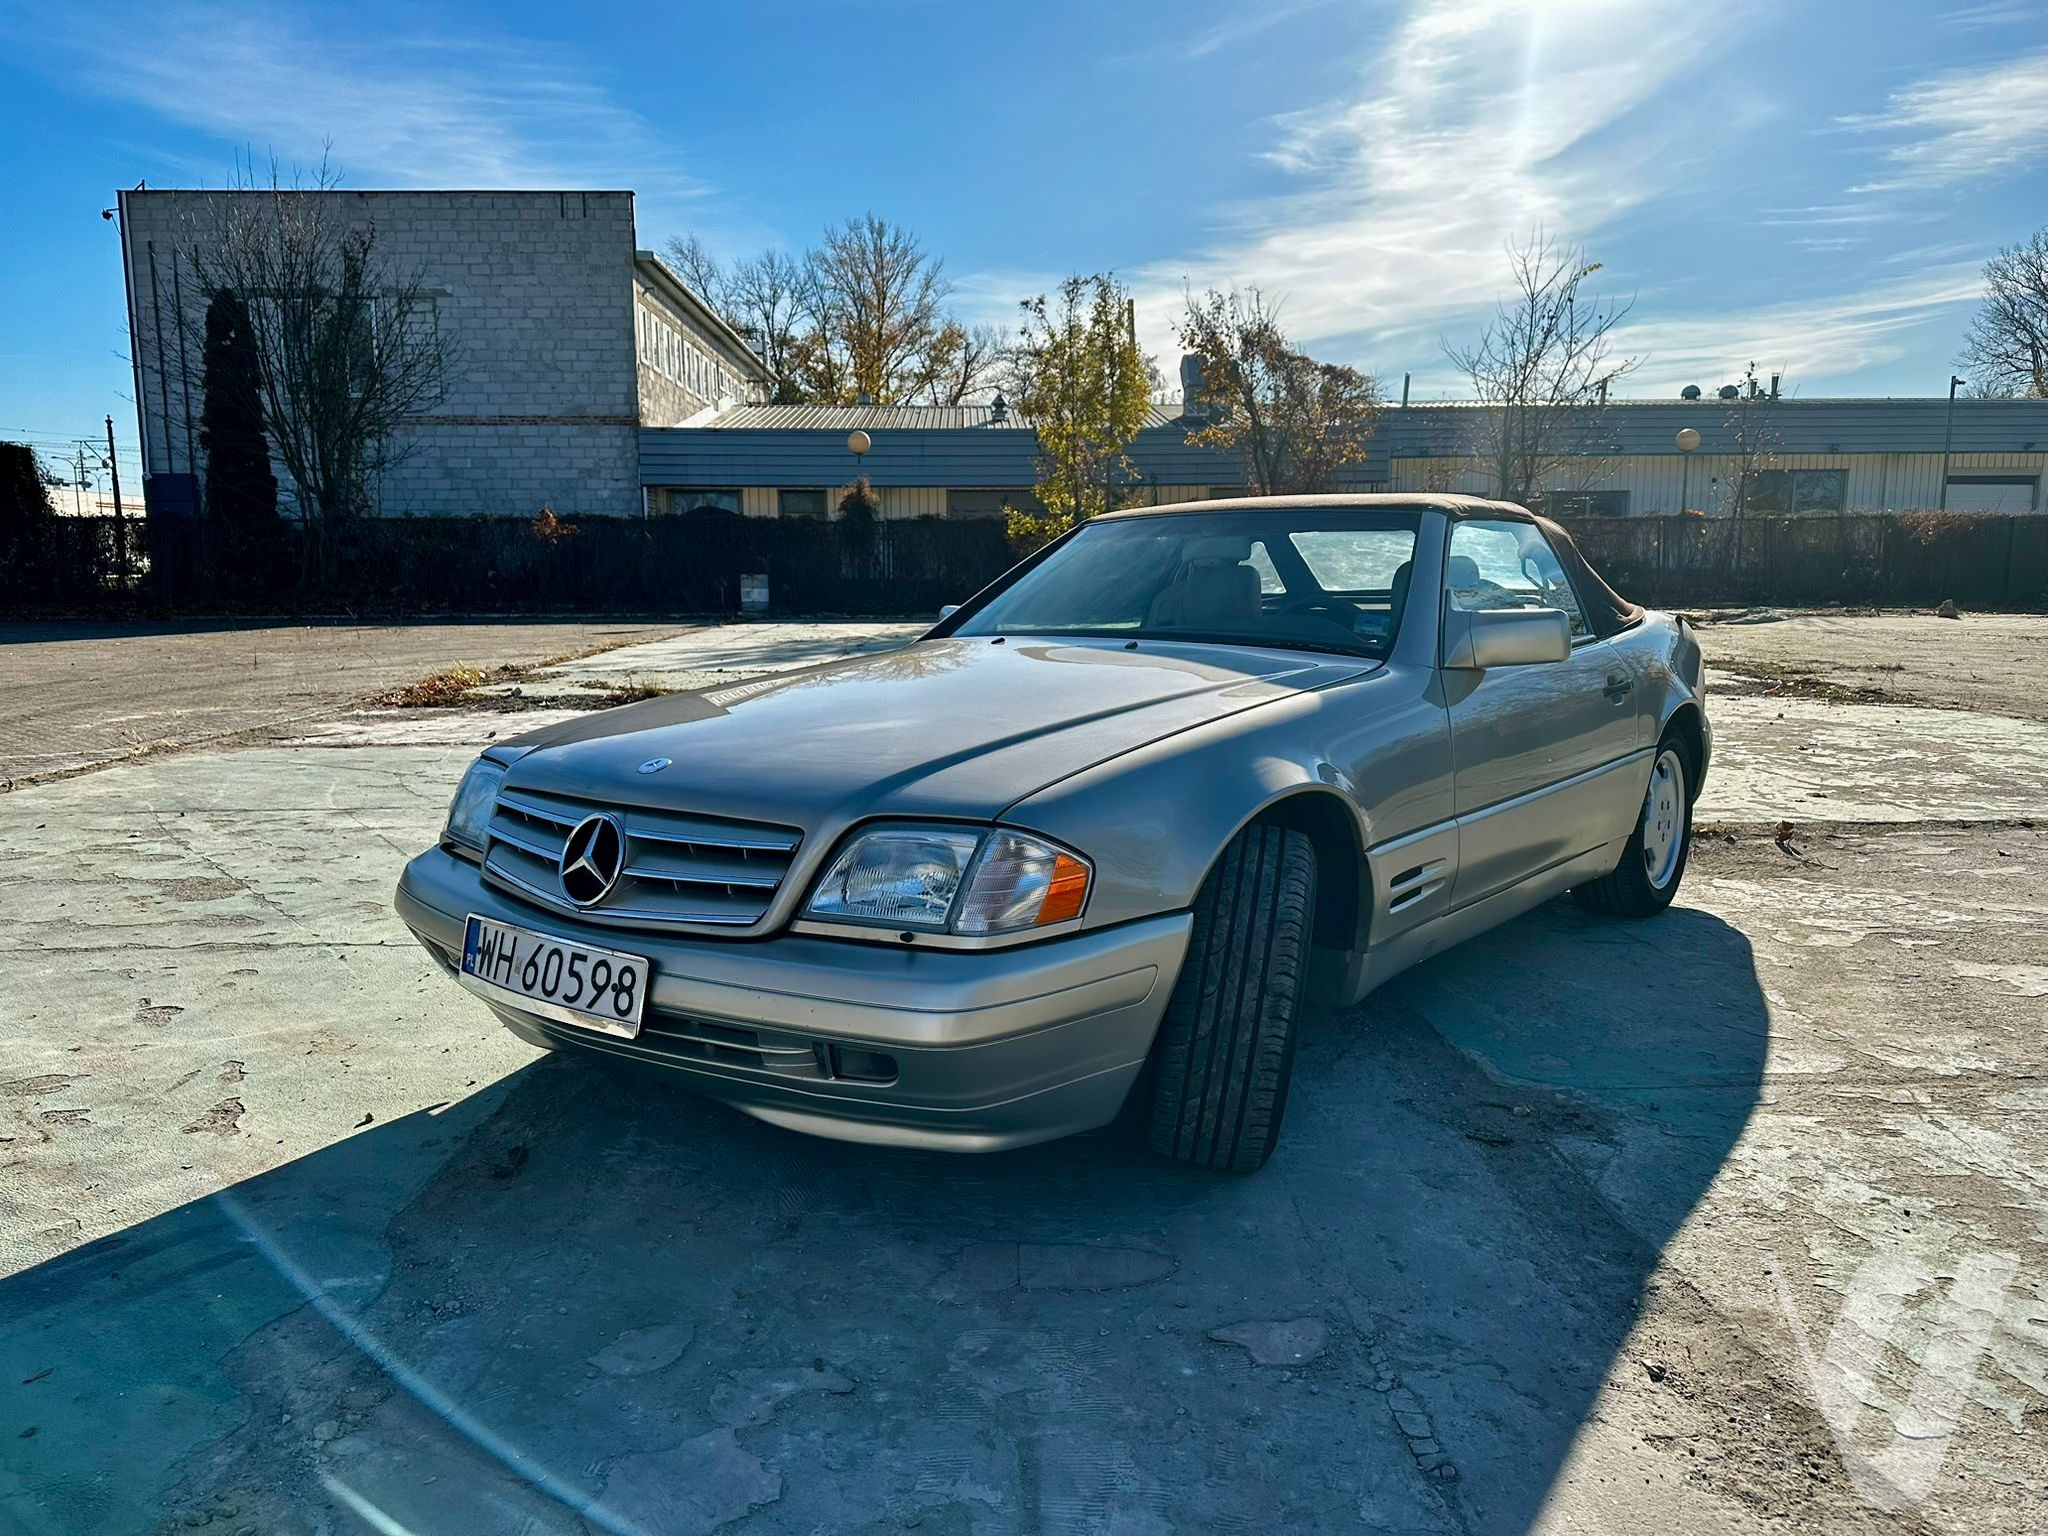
{"x":592,"y":988}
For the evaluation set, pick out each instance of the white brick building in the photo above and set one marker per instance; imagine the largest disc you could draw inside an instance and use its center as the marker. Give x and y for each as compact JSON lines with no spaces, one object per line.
{"x":565,"y":339}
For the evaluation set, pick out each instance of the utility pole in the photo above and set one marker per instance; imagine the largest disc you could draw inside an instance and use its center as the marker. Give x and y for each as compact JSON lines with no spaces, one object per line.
{"x":1948,"y":434}
{"x":120,"y":515}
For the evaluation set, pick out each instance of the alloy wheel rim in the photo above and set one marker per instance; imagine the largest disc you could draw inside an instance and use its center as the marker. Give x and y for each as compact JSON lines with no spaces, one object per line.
{"x":1663,"y":825}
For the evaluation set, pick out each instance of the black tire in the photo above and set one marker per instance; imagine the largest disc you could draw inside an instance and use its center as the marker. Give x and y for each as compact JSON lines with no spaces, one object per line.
{"x":1630,"y":889}
{"x":1225,"y":1051}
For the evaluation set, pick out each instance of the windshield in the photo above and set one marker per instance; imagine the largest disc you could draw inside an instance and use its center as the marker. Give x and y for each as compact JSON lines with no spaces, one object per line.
{"x":1311,"y":578}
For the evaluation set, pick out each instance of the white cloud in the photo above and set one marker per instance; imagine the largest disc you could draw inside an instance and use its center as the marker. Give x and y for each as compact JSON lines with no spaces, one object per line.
{"x":1480,"y":120}
{"x":399,"y":110}
{"x":1814,"y":342}
{"x":990,"y":295}
{"x":1963,"y":125}
{"x":1825,"y":216}
{"x":1992,"y":13}
{"x":1245,"y":24}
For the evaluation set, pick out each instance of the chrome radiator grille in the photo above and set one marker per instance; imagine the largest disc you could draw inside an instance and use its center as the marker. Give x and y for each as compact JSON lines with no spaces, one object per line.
{"x":681,"y":870}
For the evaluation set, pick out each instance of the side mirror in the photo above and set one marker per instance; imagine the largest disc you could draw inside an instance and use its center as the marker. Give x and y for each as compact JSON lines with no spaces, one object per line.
{"x":948,"y":611}
{"x":1505,"y":637}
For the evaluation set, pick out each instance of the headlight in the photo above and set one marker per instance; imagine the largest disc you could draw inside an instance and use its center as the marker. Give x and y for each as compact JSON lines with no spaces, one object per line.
{"x":470,"y":814}
{"x":951,"y":879}
{"x":906,"y":877}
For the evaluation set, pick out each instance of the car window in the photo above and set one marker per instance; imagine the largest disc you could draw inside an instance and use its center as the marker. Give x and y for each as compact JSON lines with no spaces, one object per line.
{"x":1353,"y":559}
{"x":1315,"y":578}
{"x":1509,"y":565}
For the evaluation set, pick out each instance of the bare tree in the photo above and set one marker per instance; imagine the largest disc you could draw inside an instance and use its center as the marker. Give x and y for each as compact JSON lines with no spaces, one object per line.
{"x":879,"y":330}
{"x":696,"y":266}
{"x":1294,"y":421}
{"x":861,"y":316}
{"x":1542,"y":370}
{"x":347,"y":343}
{"x":765,"y":301}
{"x":2006,"y":349}
{"x":1754,"y":441}
{"x":968,"y":362}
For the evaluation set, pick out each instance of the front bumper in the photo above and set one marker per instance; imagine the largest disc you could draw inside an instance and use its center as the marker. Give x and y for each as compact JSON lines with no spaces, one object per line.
{"x":993,"y":1048}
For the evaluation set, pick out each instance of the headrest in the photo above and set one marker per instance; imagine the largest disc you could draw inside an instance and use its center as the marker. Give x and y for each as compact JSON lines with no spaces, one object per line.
{"x":1217,"y":546}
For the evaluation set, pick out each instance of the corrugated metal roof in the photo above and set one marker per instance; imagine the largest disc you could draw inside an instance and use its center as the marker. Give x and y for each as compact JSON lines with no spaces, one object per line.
{"x":1800,"y":425}
{"x":953,"y":446}
{"x":880,"y":418}
{"x":951,"y":457}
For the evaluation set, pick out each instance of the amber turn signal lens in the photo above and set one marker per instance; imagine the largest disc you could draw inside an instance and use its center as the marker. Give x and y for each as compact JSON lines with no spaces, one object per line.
{"x":1067,"y":893}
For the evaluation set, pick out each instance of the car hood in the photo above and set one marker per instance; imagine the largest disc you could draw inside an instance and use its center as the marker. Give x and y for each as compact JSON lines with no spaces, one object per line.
{"x":951,"y":727}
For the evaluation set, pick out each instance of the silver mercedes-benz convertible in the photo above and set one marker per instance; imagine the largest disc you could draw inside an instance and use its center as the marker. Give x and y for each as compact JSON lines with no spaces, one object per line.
{"x":1102,"y":835}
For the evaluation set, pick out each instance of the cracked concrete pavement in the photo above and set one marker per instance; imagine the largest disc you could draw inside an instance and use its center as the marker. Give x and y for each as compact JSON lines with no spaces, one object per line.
{"x":78,"y":695}
{"x":297,"y":1239}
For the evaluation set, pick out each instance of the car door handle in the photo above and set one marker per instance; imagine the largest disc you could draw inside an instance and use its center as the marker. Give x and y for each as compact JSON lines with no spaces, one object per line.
{"x":1618,"y":686}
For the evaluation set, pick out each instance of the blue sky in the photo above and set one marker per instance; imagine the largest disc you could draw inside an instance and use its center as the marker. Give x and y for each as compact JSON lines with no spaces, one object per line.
{"x":1812,"y":184}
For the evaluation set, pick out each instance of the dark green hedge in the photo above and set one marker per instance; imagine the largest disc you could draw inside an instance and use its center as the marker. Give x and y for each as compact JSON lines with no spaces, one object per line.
{"x":690,"y":564}
{"x":693,"y":564}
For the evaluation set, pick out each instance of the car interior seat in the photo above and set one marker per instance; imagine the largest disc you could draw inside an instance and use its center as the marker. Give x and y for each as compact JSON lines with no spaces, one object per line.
{"x":1397,"y":591}
{"x":1213,"y":589}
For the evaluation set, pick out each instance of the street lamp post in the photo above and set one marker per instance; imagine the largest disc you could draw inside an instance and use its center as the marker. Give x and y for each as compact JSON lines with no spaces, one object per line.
{"x":1948,"y":433}
{"x":1688,"y":442}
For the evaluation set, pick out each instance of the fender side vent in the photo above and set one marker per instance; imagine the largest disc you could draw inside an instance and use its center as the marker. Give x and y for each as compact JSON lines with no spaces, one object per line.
{"x":1411,"y":885}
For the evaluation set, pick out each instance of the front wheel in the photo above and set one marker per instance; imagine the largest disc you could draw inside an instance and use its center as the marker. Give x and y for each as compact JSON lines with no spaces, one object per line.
{"x":1225,"y":1051}
{"x":1653,"y":863}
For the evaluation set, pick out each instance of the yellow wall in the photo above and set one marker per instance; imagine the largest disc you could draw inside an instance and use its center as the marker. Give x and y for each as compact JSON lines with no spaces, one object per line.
{"x":1876,"y":482}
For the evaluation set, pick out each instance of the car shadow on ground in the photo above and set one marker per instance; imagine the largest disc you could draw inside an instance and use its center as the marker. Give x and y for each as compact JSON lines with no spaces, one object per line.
{"x":593,"y":1301}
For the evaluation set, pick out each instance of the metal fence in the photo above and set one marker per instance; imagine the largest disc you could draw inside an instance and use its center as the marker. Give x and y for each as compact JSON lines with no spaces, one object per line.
{"x":693,"y":564}
{"x":1988,"y":561}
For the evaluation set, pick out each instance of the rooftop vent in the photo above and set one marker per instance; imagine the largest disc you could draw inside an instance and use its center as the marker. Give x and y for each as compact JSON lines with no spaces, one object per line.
{"x":998,"y":411}
{"x":1730,"y":392}
{"x":1690,"y":392}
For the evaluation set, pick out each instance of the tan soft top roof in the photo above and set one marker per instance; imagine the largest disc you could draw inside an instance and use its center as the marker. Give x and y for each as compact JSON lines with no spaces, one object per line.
{"x":1607,"y":611}
{"x":1452,"y":506}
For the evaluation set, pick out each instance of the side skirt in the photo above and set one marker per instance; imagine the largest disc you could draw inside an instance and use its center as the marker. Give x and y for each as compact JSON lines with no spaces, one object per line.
{"x":1385,"y":961}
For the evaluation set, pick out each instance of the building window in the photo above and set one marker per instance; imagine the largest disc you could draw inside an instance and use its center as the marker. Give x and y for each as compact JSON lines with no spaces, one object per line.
{"x":800,"y":503}
{"x":987,"y":503}
{"x":1800,"y":490}
{"x":1994,"y":493}
{"x":681,"y":501}
{"x":1584,"y":504}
